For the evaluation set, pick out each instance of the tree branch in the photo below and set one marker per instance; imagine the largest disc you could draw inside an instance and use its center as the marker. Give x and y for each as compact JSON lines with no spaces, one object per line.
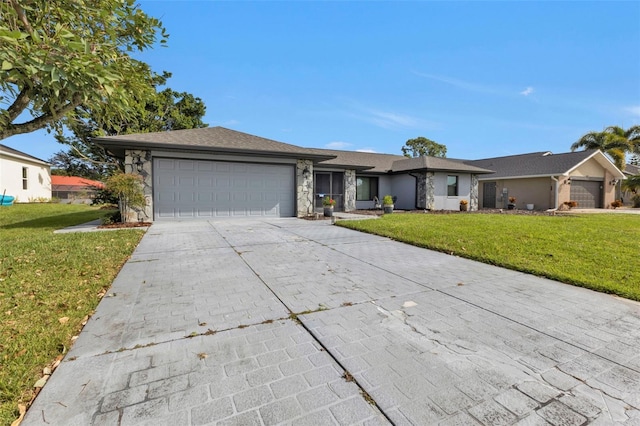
{"x":41,"y":121}
{"x":19,"y":104}
{"x":22,"y":16}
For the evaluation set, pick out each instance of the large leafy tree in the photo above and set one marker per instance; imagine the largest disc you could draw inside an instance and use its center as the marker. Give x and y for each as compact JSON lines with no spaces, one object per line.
{"x":422,"y":146}
{"x":56,"y":55}
{"x":614,"y":141}
{"x":161,"y":111}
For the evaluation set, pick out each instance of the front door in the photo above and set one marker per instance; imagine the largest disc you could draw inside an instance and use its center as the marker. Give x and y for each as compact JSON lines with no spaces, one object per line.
{"x":489,"y":195}
{"x":329,"y":184}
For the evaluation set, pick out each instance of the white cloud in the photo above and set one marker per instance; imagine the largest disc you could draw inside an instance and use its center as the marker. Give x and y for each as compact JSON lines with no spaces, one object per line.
{"x":634,"y":110}
{"x":366,"y":150}
{"x":460,"y":84}
{"x":389,"y":120}
{"x":527,"y":91}
{"x":337,"y":145}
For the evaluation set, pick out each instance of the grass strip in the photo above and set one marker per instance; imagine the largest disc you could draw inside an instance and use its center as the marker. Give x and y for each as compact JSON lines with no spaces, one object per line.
{"x":49,"y":283}
{"x":596,"y":251}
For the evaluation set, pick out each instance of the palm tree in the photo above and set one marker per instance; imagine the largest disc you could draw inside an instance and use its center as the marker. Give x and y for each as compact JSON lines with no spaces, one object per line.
{"x":614,"y":141}
{"x":632,"y":184}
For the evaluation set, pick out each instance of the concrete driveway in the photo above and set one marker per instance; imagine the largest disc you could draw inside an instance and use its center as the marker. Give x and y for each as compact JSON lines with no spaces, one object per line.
{"x":300,"y":322}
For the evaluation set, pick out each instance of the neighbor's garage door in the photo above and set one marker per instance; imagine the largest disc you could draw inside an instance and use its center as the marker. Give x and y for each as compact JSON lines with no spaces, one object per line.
{"x":587,"y":193}
{"x":195,"y":189}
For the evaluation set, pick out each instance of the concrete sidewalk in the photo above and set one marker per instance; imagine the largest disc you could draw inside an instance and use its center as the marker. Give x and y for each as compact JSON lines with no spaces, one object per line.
{"x":300,"y":322}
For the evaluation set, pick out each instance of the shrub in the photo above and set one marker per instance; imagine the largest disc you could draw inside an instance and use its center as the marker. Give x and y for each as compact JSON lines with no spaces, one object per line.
{"x":129,"y":189}
{"x":615,"y":204}
{"x":636,"y":201}
{"x":571,"y":203}
{"x":387,"y":200}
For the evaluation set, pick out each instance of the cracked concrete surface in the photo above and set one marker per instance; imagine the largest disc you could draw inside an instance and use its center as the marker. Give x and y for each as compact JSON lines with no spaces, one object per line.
{"x":263,"y":322}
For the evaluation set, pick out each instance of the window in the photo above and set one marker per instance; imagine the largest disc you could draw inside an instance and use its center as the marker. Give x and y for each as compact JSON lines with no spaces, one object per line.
{"x":25,"y":181}
{"x":452,"y":186}
{"x":366,"y":188}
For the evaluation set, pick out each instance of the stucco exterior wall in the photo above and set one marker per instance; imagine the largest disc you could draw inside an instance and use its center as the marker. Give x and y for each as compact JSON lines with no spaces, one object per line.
{"x":536,"y":191}
{"x":38,"y":179}
{"x":444,"y":202}
{"x":590,"y":169}
{"x":404,"y":187}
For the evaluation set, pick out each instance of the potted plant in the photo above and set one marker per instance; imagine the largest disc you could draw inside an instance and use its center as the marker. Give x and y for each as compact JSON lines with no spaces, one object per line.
{"x":464,"y":205}
{"x":512,"y":203}
{"x":387,"y":204}
{"x":571,"y":204}
{"x":328,"y":203}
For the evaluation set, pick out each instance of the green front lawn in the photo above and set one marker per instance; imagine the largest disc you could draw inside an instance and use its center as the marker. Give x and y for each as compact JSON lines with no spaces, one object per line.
{"x":597,"y":251}
{"x":49,"y":283}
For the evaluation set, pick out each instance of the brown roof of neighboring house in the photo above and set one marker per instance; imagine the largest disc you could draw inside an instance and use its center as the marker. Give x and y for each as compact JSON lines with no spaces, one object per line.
{"x":631,"y":169}
{"x":542,"y":163}
{"x":73,"y":183}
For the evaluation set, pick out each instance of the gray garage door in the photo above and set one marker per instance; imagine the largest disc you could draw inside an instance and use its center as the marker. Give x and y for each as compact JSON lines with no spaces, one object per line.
{"x":587,"y":193}
{"x":197,"y":189}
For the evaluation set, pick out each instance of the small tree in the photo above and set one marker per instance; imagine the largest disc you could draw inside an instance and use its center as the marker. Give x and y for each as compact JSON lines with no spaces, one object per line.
{"x":128,"y":187}
{"x":422,"y":146}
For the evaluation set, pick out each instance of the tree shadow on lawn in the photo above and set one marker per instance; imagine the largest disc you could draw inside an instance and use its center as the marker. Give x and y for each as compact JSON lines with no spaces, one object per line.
{"x":58,"y":221}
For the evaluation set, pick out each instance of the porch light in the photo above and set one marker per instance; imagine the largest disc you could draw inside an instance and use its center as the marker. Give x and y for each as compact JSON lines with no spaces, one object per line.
{"x":139,"y":163}
{"x":306,"y":172}
{"x":614,"y":182}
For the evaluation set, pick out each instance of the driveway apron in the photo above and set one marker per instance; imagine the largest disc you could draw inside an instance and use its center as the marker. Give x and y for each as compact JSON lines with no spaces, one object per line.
{"x":300,"y":322}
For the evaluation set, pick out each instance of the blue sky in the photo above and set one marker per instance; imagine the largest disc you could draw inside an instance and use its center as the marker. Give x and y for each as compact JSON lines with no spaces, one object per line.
{"x":484,"y":78}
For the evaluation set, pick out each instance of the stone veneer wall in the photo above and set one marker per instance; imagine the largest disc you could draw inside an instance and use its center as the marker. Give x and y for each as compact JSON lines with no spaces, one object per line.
{"x":421,"y":190}
{"x":473,"y":193}
{"x":430,"y":191}
{"x":304,"y":188}
{"x":131,"y":155}
{"x":349,"y":190}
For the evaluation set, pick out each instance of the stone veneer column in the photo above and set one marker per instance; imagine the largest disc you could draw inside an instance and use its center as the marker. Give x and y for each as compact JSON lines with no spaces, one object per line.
{"x":304,"y":188}
{"x":473,"y":193}
{"x":349,"y":190}
{"x":421,"y":190}
{"x":430,"y":191}
{"x":131,"y":156}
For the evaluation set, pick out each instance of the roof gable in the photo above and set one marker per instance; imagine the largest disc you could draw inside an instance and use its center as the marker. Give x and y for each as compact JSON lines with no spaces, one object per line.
{"x":20,"y":155}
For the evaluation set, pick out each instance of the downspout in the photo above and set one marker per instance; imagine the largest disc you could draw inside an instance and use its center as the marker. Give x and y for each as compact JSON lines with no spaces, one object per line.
{"x":556,"y":192}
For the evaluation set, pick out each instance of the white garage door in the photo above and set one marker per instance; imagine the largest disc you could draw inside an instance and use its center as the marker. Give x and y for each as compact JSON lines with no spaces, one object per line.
{"x":197,"y":189}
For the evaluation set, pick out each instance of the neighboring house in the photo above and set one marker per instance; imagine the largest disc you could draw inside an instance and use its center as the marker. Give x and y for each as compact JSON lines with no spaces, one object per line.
{"x":74,"y":189}
{"x":548,"y":180}
{"x":627,"y":196}
{"x":217,"y":172}
{"x":23,"y":176}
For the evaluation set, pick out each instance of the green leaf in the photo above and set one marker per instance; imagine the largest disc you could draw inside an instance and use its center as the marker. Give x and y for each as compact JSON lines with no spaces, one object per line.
{"x":6,"y":65}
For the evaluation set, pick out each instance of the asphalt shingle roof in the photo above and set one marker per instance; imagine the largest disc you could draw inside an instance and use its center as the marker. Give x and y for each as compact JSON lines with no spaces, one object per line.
{"x":631,"y":170}
{"x":220,"y":139}
{"x":532,"y":164}
{"x":212,"y":139}
{"x":438,"y":164}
